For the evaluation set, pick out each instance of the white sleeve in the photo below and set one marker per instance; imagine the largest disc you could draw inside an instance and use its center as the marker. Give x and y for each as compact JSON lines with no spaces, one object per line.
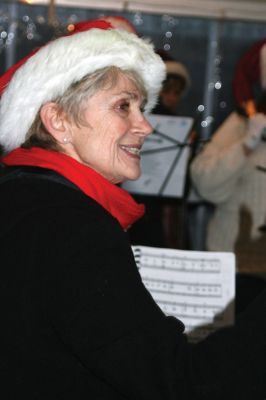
{"x":217,"y":168}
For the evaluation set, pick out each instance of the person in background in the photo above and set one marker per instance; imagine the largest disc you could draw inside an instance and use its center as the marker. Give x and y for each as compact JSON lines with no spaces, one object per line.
{"x":249,"y":79}
{"x":229,"y":173}
{"x":163,"y":223}
{"x":175,"y":85}
{"x":76,"y":320}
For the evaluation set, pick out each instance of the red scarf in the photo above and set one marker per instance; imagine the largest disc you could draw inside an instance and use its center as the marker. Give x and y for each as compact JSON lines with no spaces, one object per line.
{"x":115,"y":200}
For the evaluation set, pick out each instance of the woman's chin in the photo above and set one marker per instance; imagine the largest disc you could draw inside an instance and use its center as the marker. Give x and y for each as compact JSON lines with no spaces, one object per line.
{"x":136,"y":175}
{"x":132,"y":176}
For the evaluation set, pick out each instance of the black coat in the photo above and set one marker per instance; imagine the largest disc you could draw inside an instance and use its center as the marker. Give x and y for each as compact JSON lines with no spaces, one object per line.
{"x":77,"y":322}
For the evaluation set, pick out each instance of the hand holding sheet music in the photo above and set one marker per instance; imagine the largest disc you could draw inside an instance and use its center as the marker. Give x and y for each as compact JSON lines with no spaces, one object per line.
{"x":196,"y":287}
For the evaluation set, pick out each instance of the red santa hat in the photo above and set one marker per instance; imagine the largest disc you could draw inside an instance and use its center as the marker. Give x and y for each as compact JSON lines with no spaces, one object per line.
{"x":47,"y":72}
{"x":111,"y":21}
{"x":250,"y":69}
{"x":117,"y":21}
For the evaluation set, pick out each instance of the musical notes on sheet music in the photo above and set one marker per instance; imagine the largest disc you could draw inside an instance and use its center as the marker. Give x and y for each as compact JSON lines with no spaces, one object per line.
{"x":196,"y":287}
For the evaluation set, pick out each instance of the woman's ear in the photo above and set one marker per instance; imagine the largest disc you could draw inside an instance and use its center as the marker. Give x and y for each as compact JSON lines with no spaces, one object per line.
{"x":55,"y":121}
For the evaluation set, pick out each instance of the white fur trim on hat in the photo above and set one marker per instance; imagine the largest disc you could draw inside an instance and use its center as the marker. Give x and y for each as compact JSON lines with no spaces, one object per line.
{"x":49,"y":72}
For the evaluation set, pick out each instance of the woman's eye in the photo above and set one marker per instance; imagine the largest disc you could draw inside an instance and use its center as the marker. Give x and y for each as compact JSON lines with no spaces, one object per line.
{"x":142,"y":108}
{"x":124,"y":106}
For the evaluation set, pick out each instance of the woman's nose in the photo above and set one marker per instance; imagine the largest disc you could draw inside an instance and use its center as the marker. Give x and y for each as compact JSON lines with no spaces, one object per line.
{"x":143,"y":126}
{"x":148,"y":128}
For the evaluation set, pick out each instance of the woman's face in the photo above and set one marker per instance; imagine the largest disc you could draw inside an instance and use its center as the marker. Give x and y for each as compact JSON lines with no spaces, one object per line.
{"x":115,"y":130}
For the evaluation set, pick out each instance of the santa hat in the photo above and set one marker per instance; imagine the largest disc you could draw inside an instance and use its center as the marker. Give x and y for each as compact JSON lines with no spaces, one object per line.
{"x":250,"y":69}
{"x":117,"y":21}
{"x":111,"y":21}
{"x":49,"y":71}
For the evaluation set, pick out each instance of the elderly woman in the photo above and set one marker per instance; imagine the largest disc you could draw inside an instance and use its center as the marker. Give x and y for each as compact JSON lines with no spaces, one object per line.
{"x":77,"y":322}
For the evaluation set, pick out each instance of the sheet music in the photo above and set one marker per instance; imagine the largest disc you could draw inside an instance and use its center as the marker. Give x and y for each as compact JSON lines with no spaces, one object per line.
{"x":164,"y":158}
{"x":196,"y":287}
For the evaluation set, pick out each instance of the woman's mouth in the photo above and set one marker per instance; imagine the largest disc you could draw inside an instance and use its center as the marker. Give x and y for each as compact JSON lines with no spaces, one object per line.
{"x":133,"y":150}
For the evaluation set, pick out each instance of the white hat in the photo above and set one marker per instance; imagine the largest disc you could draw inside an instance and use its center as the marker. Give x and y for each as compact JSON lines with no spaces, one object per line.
{"x":176,"y":68}
{"x":48,"y":72}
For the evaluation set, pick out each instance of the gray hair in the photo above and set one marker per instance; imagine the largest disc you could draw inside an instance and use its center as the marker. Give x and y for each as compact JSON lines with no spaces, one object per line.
{"x":72,"y":100}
